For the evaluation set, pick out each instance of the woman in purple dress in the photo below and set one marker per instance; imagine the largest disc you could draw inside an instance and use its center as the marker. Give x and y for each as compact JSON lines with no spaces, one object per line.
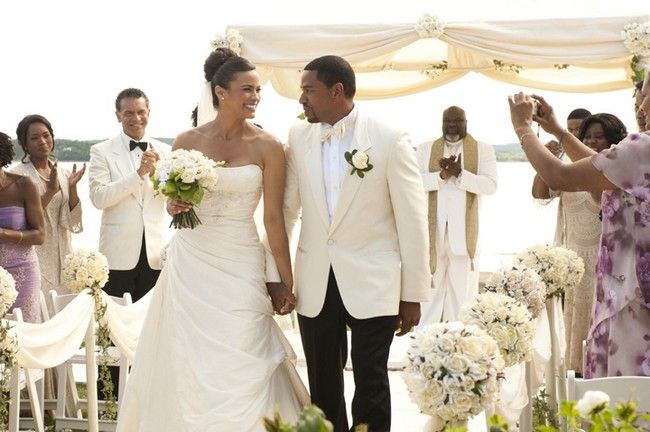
{"x":618,"y":340}
{"x":21,"y":227}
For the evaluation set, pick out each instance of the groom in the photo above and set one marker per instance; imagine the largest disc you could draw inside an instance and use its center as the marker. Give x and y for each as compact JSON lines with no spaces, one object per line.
{"x":362,"y":258}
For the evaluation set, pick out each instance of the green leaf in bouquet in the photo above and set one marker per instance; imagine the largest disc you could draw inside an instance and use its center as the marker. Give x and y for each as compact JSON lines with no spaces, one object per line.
{"x":198,"y":195}
{"x":170,"y":188}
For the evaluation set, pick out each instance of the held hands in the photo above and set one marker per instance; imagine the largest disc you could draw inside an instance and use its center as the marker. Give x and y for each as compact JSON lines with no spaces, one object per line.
{"x":148,"y":162}
{"x":282,"y":299}
{"x":175,"y":207}
{"x":408,"y":317}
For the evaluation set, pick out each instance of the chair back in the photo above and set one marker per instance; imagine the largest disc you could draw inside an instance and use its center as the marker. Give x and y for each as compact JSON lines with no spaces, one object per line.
{"x":619,"y":388}
{"x":61,"y":301}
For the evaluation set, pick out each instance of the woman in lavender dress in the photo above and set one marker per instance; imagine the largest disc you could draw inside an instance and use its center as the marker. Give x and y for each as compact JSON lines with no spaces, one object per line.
{"x":21,"y":227}
{"x":618,"y":341}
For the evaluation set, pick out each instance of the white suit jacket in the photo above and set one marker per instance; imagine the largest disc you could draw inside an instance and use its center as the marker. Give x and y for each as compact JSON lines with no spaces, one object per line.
{"x":451,"y":200}
{"x":128,"y":205}
{"x":377,"y":241}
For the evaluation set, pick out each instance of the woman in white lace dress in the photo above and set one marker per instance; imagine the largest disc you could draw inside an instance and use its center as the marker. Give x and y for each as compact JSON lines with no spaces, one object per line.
{"x":58,"y":190}
{"x":578,"y":228}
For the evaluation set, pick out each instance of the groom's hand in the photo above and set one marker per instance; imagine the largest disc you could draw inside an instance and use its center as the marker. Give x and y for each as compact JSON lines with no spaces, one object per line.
{"x":408,"y":317}
{"x":282,"y":298}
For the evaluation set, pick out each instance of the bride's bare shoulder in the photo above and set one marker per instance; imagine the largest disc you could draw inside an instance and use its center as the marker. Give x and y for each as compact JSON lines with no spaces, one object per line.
{"x":190,"y":139}
{"x":264,"y":138}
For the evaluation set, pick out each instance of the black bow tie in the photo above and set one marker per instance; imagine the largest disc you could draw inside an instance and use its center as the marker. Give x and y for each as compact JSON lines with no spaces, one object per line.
{"x":142,"y":144}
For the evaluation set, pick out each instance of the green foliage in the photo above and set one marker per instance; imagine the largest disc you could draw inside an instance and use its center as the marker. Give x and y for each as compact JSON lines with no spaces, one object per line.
{"x":542,"y":414}
{"x":311,"y":419}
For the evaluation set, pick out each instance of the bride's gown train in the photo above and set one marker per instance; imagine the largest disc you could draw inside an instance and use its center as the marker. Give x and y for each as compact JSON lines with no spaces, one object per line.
{"x":210,"y":356}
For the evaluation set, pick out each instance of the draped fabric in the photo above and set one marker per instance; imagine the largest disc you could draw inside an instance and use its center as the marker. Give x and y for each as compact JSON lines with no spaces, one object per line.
{"x":571,"y":54}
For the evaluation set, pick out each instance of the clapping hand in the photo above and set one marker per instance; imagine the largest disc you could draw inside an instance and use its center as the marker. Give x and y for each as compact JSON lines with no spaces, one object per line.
{"x":52,"y":184}
{"x":282,"y":298}
{"x":450,"y":167}
{"x":75,"y":175}
{"x":148,"y":161}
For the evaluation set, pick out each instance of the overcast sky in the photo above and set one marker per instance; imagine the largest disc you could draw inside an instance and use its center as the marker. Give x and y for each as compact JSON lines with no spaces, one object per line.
{"x":68,"y":60}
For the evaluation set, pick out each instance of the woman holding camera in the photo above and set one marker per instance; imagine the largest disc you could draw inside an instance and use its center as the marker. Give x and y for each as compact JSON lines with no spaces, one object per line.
{"x":618,"y":340}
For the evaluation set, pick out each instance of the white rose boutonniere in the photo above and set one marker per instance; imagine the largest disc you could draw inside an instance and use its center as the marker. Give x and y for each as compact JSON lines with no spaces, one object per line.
{"x":359,"y":161}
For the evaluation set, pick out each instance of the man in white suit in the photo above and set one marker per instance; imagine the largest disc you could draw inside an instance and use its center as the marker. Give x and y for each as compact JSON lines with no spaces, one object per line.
{"x":133,"y":230}
{"x":362,"y":258}
{"x":456,"y":170}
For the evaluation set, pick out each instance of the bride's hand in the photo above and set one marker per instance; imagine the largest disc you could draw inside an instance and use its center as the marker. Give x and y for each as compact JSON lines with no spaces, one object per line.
{"x":282,"y":298}
{"x":175,"y":207}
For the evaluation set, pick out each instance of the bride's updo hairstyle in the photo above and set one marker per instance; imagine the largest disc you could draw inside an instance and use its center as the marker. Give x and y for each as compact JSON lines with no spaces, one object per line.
{"x":220,"y":68}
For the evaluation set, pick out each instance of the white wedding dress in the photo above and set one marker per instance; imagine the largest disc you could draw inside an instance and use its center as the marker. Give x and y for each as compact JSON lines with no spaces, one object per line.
{"x":210,"y":356}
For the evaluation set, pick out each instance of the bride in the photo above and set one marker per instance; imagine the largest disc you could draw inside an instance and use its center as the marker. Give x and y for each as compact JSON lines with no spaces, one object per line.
{"x":210,"y":356}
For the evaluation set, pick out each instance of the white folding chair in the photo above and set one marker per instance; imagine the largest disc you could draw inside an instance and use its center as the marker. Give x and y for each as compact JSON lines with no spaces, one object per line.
{"x":65,"y":375}
{"x":32,"y":381}
{"x":619,"y":388}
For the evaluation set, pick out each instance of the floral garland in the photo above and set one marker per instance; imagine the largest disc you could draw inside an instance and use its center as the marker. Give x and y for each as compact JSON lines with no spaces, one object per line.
{"x":508,"y":322}
{"x":636,"y":38}
{"x":502,"y":66}
{"x":451,"y":371}
{"x":435,"y":70}
{"x":89,"y":269}
{"x":429,"y":26}
{"x":522,"y":284}
{"x":8,"y":343}
{"x":232,"y":40}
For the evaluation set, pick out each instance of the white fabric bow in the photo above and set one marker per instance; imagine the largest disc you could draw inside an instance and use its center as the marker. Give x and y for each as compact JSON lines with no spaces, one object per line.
{"x":327,"y":131}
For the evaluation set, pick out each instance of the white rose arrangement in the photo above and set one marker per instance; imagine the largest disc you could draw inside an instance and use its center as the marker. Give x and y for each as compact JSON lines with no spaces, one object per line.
{"x":636,"y":38}
{"x":506,"y":321}
{"x":85,"y":269}
{"x":522,"y":284}
{"x":8,"y":343}
{"x":451,"y":371}
{"x":232,"y":40}
{"x":360,"y":162}
{"x":429,"y":26}
{"x":559,"y":268}
{"x":185,"y":175}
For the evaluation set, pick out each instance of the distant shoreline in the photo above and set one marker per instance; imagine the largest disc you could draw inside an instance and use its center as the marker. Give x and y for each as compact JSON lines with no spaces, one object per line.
{"x":67,"y":150}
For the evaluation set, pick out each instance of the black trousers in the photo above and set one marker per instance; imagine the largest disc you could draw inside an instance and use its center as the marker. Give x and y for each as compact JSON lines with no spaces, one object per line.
{"x":137,"y":281}
{"x":324,"y":340}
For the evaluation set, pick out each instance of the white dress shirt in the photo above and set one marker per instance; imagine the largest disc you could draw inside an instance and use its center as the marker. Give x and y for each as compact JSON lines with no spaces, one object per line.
{"x":335,"y":167}
{"x":136,"y":153}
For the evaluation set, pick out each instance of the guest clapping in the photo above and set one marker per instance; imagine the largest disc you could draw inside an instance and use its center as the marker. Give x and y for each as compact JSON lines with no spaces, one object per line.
{"x":21,"y":227}
{"x":57,"y":188}
{"x":617,"y":342}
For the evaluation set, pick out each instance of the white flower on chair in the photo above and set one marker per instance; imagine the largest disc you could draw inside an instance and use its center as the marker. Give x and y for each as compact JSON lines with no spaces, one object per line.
{"x":592,"y":400}
{"x":8,"y":291}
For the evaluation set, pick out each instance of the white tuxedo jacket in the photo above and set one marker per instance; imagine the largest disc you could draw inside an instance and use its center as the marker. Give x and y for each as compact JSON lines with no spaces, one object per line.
{"x":128,"y":205}
{"x":377,"y":241}
{"x":451,"y":199}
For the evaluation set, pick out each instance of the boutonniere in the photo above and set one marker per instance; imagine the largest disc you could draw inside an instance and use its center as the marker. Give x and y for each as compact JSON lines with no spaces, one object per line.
{"x":359,"y":162}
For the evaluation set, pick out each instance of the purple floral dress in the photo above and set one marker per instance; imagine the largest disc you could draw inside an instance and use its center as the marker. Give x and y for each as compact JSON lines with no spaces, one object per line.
{"x":618,"y":342}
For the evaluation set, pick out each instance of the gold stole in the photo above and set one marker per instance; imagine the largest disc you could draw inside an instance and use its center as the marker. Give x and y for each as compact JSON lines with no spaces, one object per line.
{"x":470,"y":163}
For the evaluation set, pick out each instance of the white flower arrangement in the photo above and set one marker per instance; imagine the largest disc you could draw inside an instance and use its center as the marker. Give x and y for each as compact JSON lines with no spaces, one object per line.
{"x":8,"y":293}
{"x":509,"y":323}
{"x":85,"y":269}
{"x":429,"y":26}
{"x":185,"y":175}
{"x":560,"y":268}
{"x":233,"y":40}
{"x":592,"y":400}
{"x":451,"y":371}
{"x":522,"y":284}
{"x":636,"y":38}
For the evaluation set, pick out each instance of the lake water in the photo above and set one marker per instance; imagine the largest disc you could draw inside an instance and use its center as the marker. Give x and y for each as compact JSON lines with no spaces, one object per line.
{"x":510,"y":220}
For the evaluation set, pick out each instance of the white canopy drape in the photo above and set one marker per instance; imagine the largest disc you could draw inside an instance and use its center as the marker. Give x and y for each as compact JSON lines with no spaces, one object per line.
{"x":572,"y":55}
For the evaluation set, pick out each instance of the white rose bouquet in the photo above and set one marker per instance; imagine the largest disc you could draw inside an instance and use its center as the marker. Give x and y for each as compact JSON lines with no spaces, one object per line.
{"x":451,"y":371}
{"x":185,"y":175}
{"x":85,"y":269}
{"x":508,"y":322}
{"x":8,"y":291}
{"x":559,"y":268}
{"x":522,"y":284}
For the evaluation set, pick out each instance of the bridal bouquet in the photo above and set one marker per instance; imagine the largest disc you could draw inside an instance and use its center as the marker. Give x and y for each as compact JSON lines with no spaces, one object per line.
{"x":85,"y":269}
{"x":560,"y":268}
{"x":508,"y":322}
{"x":522,"y":284}
{"x":451,"y":372}
{"x":8,"y":343}
{"x":185,"y":175}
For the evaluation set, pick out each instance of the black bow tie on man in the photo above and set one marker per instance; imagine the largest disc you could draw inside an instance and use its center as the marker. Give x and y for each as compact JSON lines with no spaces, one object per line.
{"x":142,"y":144}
